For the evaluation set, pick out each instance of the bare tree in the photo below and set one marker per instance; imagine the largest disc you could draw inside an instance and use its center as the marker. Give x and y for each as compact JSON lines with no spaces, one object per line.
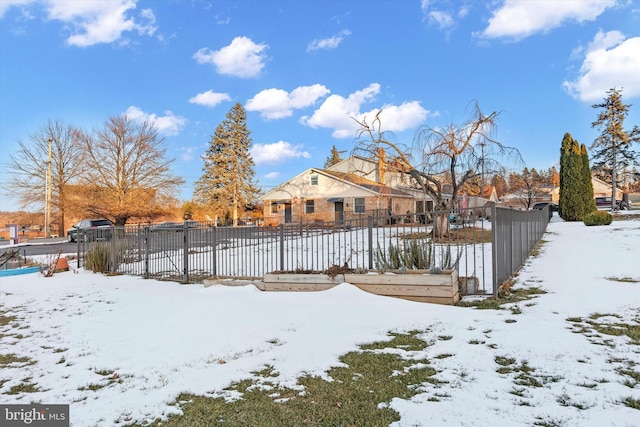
{"x":527,"y":185}
{"x":28,"y":168}
{"x":451,"y":155}
{"x":129,"y":174}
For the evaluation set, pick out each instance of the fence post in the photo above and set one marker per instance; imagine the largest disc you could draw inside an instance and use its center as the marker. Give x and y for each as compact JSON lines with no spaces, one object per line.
{"x":214,"y":236}
{"x":185,"y":250}
{"x":147,"y":248}
{"x":113,"y":238}
{"x":281,"y":247}
{"x":494,"y":249}
{"x":370,"y":238}
{"x":78,"y":258}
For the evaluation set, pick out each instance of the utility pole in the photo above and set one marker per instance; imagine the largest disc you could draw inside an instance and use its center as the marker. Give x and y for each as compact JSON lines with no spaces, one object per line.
{"x":47,"y":208}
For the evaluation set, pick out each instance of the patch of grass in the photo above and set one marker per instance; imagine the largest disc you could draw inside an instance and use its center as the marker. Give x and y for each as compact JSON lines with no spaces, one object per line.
{"x":587,"y":385}
{"x":585,"y":326}
{"x":565,"y":400}
{"x":510,"y":321}
{"x":536,"y":249}
{"x":26,"y":386}
{"x":443,"y":356}
{"x":6,"y":319}
{"x":491,"y":303}
{"x":358,"y":394}
{"x":631,"y":402}
{"x":623,"y":279}
{"x":444,"y":337}
{"x":474,"y":342}
{"x":92,"y":387}
{"x":504,"y":361}
{"x":8,"y":359}
{"x":406,"y":341}
{"x":548,"y":422}
{"x":518,"y":391}
{"x":632,"y":377}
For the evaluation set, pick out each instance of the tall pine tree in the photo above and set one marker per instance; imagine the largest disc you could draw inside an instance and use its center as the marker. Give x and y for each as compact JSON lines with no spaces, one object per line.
{"x":612,"y":149}
{"x":571,"y":202}
{"x":227,"y":183}
{"x":587,"y":183}
{"x":333,"y":158}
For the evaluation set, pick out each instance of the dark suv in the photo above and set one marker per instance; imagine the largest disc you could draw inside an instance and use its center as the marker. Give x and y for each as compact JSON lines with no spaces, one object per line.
{"x":541,"y":205}
{"x":93,"y":229}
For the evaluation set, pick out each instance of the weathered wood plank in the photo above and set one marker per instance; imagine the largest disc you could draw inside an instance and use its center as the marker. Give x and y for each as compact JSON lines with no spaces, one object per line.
{"x":418,"y":290}
{"x":450,"y":280}
{"x":303,"y":278}
{"x":305,"y":287}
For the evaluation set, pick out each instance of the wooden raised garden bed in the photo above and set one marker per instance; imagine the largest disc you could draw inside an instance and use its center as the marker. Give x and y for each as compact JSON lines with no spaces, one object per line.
{"x":414,"y":285}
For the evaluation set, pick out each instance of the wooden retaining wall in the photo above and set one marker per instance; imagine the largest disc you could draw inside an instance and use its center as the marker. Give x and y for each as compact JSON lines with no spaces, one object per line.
{"x":414,"y":285}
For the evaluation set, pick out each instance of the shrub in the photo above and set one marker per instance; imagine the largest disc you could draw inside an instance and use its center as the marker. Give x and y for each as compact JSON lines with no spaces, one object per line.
{"x":598,"y":218}
{"x":99,"y":257}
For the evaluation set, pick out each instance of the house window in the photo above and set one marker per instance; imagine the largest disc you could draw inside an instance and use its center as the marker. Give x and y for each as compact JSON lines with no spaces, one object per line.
{"x":274,"y":208}
{"x":358,"y":205}
{"x":309,"y":207}
{"x":314,"y":179}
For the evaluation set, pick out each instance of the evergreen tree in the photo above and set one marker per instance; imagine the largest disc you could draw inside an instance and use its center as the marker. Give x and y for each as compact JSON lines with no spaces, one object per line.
{"x":612,"y":149}
{"x":571,"y":202}
{"x":333,"y":158}
{"x":587,"y":184}
{"x":227,"y":183}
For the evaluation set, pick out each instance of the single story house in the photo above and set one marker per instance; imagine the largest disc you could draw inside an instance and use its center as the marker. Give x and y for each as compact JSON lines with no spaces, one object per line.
{"x":331,"y":195}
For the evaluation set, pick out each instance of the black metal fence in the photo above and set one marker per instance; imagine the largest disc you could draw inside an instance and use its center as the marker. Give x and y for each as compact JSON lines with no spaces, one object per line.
{"x":194,"y":251}
{"x":515,"y":234}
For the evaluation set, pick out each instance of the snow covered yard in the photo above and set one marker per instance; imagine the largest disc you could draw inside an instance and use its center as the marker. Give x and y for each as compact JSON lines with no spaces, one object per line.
{"x":121,"y":349}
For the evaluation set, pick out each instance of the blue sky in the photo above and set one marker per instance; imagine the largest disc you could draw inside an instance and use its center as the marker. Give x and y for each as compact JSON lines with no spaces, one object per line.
{"x":303,"y":69}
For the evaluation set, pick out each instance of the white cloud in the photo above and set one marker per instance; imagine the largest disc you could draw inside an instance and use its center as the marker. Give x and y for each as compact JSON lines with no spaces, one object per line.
{"x":169,"y":124}
{"x":188,"y":153}
{"x":7,"y":4}
{"x":328,"y":43}
{"x":278,"y":152}
{"x":100,"y":21}
{"x":209,"y":98}
{"x":242,"y":58}
{"x":278,"y":103}
{"x":337,"y":113}
{"x":398,"y":118}
{"x":610,"y":60}
{"x":272,"y":175}
{"x":517,"y":19}
{"x":441,"y":18}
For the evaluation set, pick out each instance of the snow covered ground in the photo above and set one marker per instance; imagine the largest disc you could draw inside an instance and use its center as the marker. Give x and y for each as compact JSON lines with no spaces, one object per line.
{"x":74,"y":333}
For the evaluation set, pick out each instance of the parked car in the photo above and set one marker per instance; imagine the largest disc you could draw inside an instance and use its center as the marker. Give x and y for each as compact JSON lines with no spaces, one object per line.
{"x":542,"y":205}
{"x":605,"y":203}
{"x":94,"y":229}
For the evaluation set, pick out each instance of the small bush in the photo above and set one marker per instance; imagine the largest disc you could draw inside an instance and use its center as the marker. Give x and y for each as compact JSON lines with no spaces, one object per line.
{"x":99,"y":257}
{"x":598,"y":218}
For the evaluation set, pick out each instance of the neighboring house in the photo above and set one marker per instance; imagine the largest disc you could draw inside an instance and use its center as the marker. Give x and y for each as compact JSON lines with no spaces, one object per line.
{"x":600,"y":189}
{"x":519,"y":199}
{"x":331,"y":195}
